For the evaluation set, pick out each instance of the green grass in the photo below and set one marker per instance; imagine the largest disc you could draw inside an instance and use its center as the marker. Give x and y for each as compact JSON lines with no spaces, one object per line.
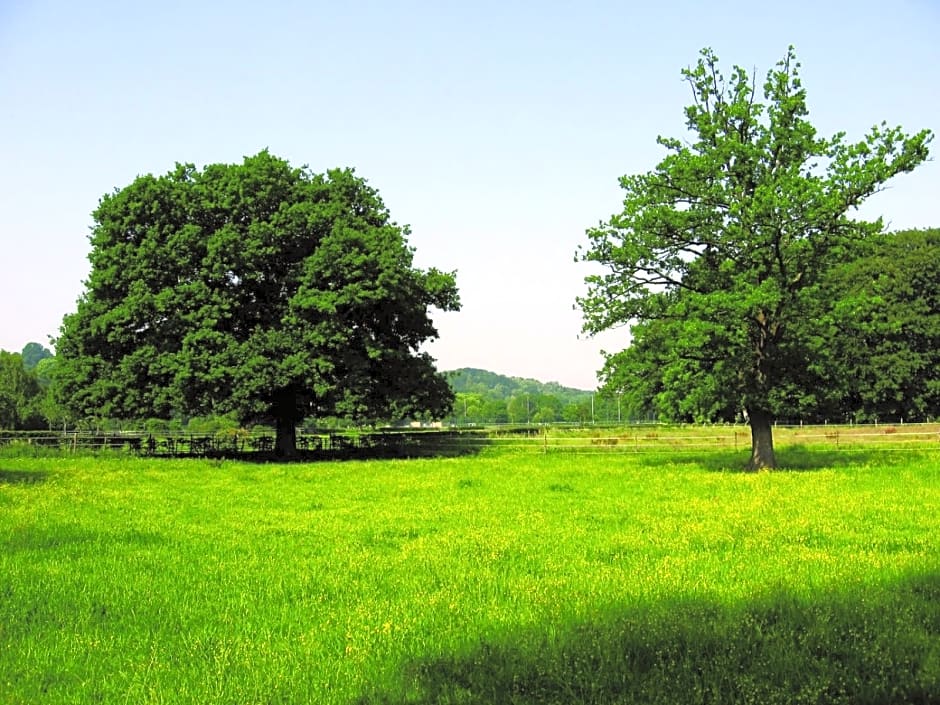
{"x":493,"y":579}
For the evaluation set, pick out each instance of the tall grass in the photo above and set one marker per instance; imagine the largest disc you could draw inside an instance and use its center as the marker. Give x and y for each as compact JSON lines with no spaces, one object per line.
{"x":499,"y":578}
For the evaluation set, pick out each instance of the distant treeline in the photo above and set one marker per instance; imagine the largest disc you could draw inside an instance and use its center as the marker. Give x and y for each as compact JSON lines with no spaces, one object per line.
{"x":481,"y":397}
{"x":484,"y":397}
{"x":25,"y":396}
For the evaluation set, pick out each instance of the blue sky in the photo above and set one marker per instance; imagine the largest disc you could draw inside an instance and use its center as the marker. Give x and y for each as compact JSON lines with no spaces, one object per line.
{"x":497,"y":130}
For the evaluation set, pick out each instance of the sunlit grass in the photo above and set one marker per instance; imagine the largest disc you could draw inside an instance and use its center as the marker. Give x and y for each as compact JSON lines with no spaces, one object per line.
{"x":535,"y":578}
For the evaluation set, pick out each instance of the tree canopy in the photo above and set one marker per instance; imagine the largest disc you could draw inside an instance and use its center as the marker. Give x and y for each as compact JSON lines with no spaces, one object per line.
{"x":871,"y":328}
{"x":715,"y":251}
{"x":257,"y":289}
{"x":877,"y":324}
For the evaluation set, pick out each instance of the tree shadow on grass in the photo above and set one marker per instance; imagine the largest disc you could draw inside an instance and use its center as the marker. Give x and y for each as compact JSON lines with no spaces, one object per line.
{"x":23,"y":477}
{"x":331,"y":447}
{"x":801,"y":458}
{"x":790,"y":458}
{"x":871,"y":644}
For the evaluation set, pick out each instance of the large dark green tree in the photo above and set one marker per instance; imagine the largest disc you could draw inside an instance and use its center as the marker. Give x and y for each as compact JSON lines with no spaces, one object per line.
{"x":255,"y":289}
{"x":715,"y":247}
{"x":878,"y":325}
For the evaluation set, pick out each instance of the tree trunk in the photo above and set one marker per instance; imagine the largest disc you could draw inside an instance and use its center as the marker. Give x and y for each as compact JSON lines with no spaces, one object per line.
{"x":762,"y":441}
{"x":285,"y":442}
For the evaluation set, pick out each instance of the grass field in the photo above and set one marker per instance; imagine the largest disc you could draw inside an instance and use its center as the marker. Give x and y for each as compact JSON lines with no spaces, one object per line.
{"x":501,"y":578}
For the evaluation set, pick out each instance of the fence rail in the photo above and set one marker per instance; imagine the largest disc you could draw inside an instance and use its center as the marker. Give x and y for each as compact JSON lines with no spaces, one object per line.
{"x":218,"y":445}
{"x":645,"y":439}
{"x":533,"y":439}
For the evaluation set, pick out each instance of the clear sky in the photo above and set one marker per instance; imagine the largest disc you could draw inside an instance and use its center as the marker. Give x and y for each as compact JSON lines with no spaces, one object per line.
{"x":497,"y":130}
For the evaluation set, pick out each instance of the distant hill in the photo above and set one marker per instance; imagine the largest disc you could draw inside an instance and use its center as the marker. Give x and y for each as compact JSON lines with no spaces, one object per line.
{"x":473,"y":380}
{"x":33,"y":354}
{"x":487,"y":397}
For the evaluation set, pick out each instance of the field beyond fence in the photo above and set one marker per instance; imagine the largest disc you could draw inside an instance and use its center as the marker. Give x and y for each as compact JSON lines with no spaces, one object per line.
{"x":328,"y":445}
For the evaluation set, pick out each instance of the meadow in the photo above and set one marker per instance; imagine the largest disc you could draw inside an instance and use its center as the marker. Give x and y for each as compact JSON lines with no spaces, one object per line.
{"x":497,"y":578}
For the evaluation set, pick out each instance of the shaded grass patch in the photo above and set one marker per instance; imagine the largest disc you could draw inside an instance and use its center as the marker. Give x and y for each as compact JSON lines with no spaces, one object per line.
{"x":23,"y":477}
{"x":867,"y":644}
{"x":791,"y":458}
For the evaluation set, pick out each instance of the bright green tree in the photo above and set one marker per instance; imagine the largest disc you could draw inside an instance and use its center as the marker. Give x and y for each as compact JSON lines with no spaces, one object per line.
{"x":469,"y":408}
{"x":519,"y":408}
{"x":20,"y":394}
{"x":871,"y":326}
{"x":548,"y":408}
{"x":494,"y":410}
{"x":714,"y":247}
{"x":578,"y":411}
{"x":257,"y":289}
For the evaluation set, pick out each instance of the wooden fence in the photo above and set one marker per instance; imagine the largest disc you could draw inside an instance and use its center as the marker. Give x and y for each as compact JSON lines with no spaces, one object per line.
{"x":325,"y":445}
{"x":452,"y":442}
